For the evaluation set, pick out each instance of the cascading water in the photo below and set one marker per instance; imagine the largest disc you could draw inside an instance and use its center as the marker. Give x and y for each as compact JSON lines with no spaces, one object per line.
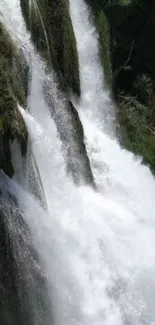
{"x":96,"y":249}
{"x":95,"y":99}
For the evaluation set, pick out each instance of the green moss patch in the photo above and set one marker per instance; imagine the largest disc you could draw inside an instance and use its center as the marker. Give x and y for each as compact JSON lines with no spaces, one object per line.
{"x":52,"y":33}
{"x":12,"y":90}
{"x":104,"y":39}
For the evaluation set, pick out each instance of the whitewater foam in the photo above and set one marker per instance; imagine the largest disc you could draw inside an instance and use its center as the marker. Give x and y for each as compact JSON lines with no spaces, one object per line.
{"x":95,"y":96}
{"x":97,"y":248}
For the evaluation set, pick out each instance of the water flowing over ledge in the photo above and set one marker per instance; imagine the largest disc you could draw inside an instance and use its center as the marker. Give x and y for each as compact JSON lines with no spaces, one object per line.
{"x":95,"y":249}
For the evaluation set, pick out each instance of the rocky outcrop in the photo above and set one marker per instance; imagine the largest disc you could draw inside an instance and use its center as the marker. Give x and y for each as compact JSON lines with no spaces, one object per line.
{"x":52,"y":33}
{"x":78,"y":161}
{"x":13,"y":90}
{"x":71,"y":133}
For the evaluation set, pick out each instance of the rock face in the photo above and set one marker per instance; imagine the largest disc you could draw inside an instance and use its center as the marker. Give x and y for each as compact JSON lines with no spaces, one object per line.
{"x":52,"y":33}
{"x":78,"y":161}
{"x":13,"y":89}
{"x":71,"y":133}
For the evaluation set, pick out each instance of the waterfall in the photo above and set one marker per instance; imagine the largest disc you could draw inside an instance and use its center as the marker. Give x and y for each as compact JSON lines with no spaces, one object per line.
{"x":95,"y":249}
{"x":95,"y":97}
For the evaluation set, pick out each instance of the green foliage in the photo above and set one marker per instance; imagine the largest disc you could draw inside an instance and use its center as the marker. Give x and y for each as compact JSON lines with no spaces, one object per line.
{"x":144,"y":90}
{"x":132,"y":33}
{"x":138,"y":135}
{"x":52,"y":32}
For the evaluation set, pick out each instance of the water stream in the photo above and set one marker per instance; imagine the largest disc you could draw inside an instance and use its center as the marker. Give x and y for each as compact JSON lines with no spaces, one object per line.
{"x":96,"y":249}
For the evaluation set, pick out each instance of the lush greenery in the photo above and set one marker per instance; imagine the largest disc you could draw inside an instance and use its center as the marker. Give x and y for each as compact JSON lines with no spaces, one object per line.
{"x":52,"y":32}
{"x":131,"y":54}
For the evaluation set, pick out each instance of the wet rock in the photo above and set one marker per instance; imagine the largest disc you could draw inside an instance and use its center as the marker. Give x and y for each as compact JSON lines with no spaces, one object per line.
{"x":52,"y":33}
{"x":13,"y":90}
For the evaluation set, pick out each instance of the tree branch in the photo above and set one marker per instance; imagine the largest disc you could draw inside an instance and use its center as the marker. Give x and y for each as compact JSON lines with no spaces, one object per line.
{"x":124,"y":65}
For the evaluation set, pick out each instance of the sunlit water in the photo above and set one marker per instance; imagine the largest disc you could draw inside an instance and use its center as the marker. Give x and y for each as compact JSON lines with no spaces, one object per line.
{"x":97,"y":248}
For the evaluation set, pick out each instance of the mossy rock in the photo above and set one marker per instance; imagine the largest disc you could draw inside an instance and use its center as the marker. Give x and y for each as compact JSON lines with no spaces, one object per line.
{"x":14,"y":65}
{"x":104,"y":40}
{"x":52,"y":33}
{"x":71,"y":133}
{"x":13,"y":90}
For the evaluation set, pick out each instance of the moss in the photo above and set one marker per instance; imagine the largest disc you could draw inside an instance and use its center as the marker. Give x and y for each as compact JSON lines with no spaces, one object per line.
{"x":12,"y":62}
{"x":68,"y":57}
{"x":12,"y":90}
{"x":104,"y":38}
{"x":52,"y":33}
{"x":138,"y":129}
{"x":36,"y":16}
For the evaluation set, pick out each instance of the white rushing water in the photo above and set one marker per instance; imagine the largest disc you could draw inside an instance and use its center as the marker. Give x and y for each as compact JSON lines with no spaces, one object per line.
{"x":95,"y":98}
{"x":97,"y":249}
